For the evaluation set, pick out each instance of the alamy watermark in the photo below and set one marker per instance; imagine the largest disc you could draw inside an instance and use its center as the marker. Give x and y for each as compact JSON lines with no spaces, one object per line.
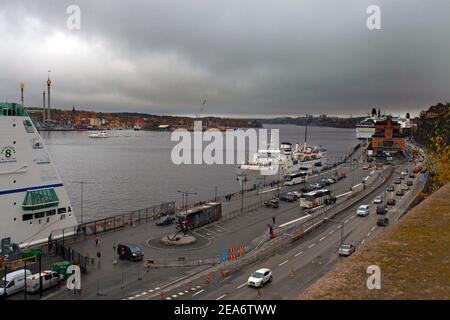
{"x":73,"y":21}
{"x":373,"y":21}
{"x":234,"y":146}
{"x":374,"y":280}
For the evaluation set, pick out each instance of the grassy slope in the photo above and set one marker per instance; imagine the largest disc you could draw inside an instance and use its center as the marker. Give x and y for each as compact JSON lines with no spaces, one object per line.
{"x":413,"y":256}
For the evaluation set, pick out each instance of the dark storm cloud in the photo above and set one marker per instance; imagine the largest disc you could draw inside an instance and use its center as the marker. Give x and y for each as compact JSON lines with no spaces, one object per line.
{"x":246,"y":57}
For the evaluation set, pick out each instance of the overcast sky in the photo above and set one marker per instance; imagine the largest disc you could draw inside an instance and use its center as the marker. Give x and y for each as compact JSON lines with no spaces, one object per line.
{"x":249,"y":57}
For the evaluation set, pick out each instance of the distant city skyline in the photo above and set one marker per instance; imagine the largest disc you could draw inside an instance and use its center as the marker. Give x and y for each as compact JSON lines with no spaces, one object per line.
{"x":247,"y":59}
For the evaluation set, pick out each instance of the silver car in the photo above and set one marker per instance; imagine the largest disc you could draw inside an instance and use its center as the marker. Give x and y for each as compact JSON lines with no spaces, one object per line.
{"x":346,"y":249}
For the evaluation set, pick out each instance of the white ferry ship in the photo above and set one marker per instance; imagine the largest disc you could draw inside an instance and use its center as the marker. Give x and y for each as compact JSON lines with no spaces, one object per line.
{"x":271,"y":165}
{"x":33,"y":201}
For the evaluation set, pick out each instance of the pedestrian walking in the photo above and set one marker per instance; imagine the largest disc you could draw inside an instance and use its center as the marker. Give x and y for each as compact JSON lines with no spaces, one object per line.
{"x":96,"y":240}
{"x":273,"y":220}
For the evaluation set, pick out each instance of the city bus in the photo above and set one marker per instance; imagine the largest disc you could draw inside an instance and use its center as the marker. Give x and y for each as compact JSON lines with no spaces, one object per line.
{"x":317,"y":198}
{"x":295,"y":178}
{"x":201,"y":215}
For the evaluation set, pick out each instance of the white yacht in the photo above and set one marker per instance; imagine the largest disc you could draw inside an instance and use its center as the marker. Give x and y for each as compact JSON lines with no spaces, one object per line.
{"x":101,"y":134}
{"x":33,"y":201}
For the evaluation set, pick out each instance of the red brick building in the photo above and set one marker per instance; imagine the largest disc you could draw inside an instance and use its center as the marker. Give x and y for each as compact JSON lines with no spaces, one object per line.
{"x":388,"y":137}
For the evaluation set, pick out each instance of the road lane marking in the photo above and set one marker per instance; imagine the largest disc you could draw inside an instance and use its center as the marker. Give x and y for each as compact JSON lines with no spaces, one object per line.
{"x":222,"y":296}
{"x":373,"y":228}
{"x":346,"y":221}
{"x":323,"y":238}
{"x":331,"y":232}
{"x":283,"y":263}
{"x":297,"y":254}
{"x":241,"y":285}
{"x":311,"y":246}
{"x":369,"y":234}
{"x":293,"y":221}
{"x":198,"y":292}
{"x":364,"y":240}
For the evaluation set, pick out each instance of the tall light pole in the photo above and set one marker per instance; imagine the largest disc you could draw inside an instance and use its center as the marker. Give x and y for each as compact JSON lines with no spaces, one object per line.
{"x":43,"y":106}
{"x":342,"y":228}
{"x":49,"y":83}
{"x":242,"y":177}
{"x":22,"y":86}
{"x":82,"y":183}
{"x":185,"y":195}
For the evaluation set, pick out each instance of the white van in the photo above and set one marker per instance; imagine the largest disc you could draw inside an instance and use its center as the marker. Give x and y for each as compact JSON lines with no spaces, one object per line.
{"x":15,"y":281}
{"x":363,"y":210}
{"x":49,"y":280}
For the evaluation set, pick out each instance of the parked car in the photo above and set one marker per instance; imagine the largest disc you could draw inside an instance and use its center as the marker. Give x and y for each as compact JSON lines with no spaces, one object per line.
{"x":331,"y":180}
{"x":346,"y":249}
{"x":165,"y":220}
{"x":288,"y":197}
{"x":378,"y":200}
{"x":273,"y":203}
{"x":398,"y":181}
{"x":409,"y":183}
{"x":383,"y":222}
{"x":399,"y":193}
{"x":365,"y":167}
{"x":381,"y":209}
{"x":130,"y":252}
{"x":49,"y":279}
{"x":259,"y":278}
{"x":405,"y":187}
{"x":363,"y":210}
{"x":402,"y":177}
{"x":315,"y":186}
{"x":307,"y":189}
{"x":391,"y":202}
{"x":390,"y":189}
{"x":296,"y":193}
{"x":325,"y":182}
{"x":412,"y":175}
{"x":14,"y":281}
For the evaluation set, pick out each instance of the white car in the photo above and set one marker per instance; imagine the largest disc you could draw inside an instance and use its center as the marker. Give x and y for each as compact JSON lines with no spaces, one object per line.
{"x":363,"y":210}
{"x":378,"y":200}
{"x":259,"y":278}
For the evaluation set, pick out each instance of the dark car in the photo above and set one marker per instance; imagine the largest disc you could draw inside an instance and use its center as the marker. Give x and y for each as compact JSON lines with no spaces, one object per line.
{"x":307,"y":189}
{"x":325,"y":182}
{"x":288,"y":197}
{"x":272,"y":203}
{"x":399,"y":193}
{"x":412,"y":175}
{"x":398,"y":181}
{"x":330,"y":200}
{"x":391,"y":202}
{"x":381,"y":209}
{"x":409,"y":183}
{"x":390,"y":189}
{"x":130,"y":252}
{"x":165,"y":220}
{"x":383,"y":222}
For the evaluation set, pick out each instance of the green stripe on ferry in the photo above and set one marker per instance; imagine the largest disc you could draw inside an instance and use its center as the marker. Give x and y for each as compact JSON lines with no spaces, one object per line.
{"x":40,"y":199}
{"x":12,"y":110}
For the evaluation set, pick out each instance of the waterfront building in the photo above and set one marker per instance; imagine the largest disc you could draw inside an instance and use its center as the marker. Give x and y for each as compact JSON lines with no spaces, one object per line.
{"x":388,"y":137}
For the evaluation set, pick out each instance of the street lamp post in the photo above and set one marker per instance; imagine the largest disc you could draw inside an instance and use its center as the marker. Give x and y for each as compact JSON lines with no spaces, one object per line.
{"x":185,"y":195}
{"x":342,"y":228}
{"x":242,"y":177}
{"x":82,"y":183}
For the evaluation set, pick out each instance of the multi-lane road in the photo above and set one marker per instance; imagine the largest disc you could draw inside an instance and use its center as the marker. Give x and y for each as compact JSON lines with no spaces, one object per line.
{"x":303,"y":262}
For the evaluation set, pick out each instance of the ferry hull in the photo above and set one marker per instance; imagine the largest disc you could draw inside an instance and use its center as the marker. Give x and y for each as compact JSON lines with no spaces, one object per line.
{"x":28,"y":172}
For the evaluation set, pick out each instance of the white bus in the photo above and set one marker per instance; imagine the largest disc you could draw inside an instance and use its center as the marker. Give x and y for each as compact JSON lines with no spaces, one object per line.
{"x":317,"y":198}
{"x":295,"y":178}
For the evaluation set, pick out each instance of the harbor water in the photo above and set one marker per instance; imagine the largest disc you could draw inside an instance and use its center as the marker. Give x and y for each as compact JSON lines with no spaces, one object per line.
{"x":131,"y":170}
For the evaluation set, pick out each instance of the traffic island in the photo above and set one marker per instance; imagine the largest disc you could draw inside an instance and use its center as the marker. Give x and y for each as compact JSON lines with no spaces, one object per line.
{"x":178,"y":240}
